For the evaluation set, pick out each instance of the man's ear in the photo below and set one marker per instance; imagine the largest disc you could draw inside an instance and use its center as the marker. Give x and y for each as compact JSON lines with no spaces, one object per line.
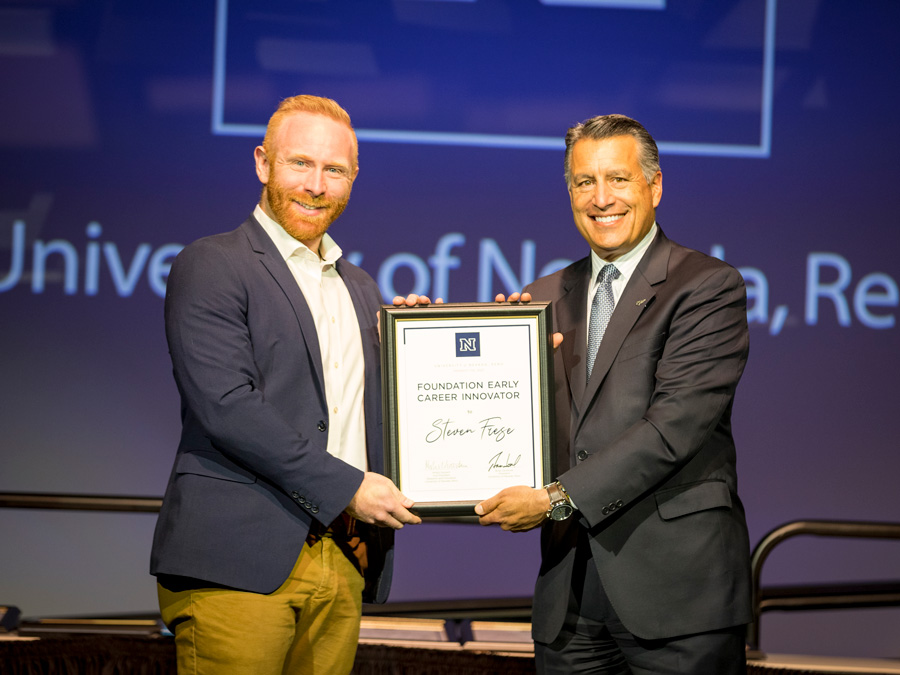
{"x":262,"y":164}
{"x":656,"y":188}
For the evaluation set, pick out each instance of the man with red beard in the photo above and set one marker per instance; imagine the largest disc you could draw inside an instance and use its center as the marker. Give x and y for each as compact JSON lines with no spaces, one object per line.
{"x":277,"y":522}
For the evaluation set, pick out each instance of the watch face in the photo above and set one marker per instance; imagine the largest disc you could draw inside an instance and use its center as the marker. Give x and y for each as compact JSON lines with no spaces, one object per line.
{"x":561,"y":511}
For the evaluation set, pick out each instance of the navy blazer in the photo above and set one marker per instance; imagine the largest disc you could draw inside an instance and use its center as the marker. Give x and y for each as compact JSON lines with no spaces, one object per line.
{"x":645,"y":448}
{"x":252,"y":472}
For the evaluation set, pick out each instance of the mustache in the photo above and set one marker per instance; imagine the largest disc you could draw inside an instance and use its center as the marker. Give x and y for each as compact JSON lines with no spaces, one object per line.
{"x":316,"y":202}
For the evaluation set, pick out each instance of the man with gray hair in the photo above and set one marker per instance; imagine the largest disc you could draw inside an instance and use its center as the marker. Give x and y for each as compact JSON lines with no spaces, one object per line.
{"x":645,"y":552}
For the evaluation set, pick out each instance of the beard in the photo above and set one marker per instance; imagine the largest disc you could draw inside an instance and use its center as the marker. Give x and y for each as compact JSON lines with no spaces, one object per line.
{"x":300,"y":226}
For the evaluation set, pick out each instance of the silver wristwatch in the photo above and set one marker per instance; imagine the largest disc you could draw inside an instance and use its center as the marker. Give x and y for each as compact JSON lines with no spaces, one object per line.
{"x":560,"y":504}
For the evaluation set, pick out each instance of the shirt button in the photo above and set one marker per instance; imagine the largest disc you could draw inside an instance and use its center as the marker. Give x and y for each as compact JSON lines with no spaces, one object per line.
{"x":335,"y":410}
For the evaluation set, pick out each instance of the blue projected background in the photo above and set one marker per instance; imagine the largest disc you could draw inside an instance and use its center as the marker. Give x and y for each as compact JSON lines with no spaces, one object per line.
{"x":494,"y":89}
{"x":127,"y":131}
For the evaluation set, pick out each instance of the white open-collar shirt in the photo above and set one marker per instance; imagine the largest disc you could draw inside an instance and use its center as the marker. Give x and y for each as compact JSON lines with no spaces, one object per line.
{"x":337,"y":329}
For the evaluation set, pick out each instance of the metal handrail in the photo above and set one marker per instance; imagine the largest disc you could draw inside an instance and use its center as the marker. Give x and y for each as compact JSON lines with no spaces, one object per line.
{"x":68,"y":502}
{"x":111,"y":503}
{"x":819,"y":528}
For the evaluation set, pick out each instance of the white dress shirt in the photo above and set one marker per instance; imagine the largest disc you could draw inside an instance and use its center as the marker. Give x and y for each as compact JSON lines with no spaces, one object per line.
{"x":337,"y":329}
{"x":626,"y":264}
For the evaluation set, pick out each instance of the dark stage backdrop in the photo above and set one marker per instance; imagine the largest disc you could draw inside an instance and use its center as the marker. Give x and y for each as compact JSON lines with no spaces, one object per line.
{"x":127,"y":131}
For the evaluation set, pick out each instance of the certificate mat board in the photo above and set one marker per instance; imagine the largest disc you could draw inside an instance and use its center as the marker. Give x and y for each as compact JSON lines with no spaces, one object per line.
{"x":467,"y":402}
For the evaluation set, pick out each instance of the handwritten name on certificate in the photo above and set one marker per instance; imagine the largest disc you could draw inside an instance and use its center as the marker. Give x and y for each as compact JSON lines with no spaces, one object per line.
{"x":469,"y":417}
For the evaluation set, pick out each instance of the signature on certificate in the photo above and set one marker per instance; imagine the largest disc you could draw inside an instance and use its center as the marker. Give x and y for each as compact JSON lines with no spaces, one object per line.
{"x":497,"y":461}
{"x":490,"y":428}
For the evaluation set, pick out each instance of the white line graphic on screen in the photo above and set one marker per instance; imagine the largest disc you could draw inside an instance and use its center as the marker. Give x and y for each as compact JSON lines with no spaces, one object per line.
{"x":760,"y":150}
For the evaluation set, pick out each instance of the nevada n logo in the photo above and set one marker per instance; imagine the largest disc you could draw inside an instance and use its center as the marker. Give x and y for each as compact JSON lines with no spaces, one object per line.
{"x":468,"y":344}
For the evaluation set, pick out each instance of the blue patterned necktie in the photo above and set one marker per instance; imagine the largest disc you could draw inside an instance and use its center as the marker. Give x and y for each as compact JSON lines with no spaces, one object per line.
{"x":601,"y":309}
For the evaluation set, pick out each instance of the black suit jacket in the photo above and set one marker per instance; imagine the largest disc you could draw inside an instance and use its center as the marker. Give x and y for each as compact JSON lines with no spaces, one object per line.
{"x":252,"y":472}
{"x":645,"y":448}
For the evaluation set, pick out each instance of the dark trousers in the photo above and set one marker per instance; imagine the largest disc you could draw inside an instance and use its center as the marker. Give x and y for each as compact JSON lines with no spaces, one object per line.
{"x":593,"y":639}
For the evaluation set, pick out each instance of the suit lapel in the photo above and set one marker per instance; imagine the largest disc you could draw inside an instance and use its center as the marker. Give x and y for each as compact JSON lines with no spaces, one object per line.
{"x":269,"y":256}
{"x":366,"y":308}
{"x":357,"y":296}
{"x":636,"y":298}
{"x":570,"y":321}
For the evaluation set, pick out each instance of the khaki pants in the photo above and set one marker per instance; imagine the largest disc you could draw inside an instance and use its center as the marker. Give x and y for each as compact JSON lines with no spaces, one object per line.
{"x":309,"y":626}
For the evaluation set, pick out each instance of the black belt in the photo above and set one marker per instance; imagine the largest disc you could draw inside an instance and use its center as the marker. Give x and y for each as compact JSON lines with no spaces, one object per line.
{"x":344,"y":532}
{"x":343,"y":528}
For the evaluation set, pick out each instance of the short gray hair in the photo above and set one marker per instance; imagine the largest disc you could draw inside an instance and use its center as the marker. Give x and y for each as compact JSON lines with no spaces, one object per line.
{"x":608,"y":126}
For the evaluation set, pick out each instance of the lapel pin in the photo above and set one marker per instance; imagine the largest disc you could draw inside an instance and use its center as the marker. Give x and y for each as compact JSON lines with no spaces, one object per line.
{"x":641,"y":302}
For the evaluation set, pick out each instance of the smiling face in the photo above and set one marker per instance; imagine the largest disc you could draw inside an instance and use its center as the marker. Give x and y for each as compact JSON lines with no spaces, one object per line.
{"x":308,"y":170}
{"x":613,"y":204}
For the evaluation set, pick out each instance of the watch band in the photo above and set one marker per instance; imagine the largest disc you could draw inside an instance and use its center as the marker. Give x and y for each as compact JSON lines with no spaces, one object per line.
{"x":560,"y":505}
{"x":557,"y":493}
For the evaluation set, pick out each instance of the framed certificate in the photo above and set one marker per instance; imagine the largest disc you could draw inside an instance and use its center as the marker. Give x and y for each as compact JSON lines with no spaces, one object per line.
{"x":468,"y":395}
